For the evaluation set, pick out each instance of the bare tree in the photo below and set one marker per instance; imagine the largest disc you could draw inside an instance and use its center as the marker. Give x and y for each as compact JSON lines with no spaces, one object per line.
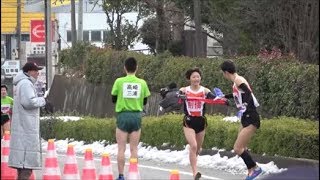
{"x":199,"y":49}
{"x":122,"y":33}
{"x":298,"y":24}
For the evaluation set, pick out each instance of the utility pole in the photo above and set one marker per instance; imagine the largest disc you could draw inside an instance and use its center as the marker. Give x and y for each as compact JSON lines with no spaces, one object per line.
{"x":48,"y":26}
{"x":73,"y":23}
{"x":18,"y":31}
{"x":80,"y":20}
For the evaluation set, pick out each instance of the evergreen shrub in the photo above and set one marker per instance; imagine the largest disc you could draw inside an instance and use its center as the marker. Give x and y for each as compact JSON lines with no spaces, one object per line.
{"x":283,"y":136}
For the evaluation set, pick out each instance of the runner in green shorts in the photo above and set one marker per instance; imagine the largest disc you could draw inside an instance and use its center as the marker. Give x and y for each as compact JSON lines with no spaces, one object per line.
{"x":130,"y":94}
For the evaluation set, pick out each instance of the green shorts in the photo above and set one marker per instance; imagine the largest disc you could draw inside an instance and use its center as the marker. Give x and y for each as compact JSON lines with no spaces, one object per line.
{"x":129,"y":121}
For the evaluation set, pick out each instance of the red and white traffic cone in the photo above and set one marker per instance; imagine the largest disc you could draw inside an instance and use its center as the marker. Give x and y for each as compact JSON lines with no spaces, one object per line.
{"x":174,"y":175}
{"x":6,"y":171}
{"x":106,"y":168}
{"x":133,"y":173}
{"x":51,"y":168}
{"x":89,"y":170}
{"x":70,"y":170}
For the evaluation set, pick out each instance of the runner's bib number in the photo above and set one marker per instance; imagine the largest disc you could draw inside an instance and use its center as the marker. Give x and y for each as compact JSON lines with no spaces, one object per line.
{"x":131,"y":90}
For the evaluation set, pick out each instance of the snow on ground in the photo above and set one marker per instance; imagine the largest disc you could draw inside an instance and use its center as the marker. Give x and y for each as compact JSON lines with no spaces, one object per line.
{"x":233,"y":165}
{"x":231,"y":119}
{"x":64,"y":118}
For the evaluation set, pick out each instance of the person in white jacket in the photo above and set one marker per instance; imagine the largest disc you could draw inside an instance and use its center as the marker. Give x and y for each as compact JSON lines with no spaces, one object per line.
{"x":25,"y":144}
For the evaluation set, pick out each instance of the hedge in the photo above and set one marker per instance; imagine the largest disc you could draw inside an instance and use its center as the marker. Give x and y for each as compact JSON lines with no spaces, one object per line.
{"x":284,"y":87}
{"x":283,"y":136}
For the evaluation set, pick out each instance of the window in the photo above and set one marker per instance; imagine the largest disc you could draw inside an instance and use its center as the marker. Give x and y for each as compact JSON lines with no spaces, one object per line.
{"x":25,"y":37}
{"x":96,"y":36}
{"x":105,"y":36}
{"x":86,"y":36}
{"x":3,"y":51}
{"x":68,"y":36}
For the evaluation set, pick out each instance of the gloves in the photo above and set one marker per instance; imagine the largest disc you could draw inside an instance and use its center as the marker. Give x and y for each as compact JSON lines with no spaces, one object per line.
{"x":181,"y":95}
{"x":218,"y":92}
{"x":241,"y":111}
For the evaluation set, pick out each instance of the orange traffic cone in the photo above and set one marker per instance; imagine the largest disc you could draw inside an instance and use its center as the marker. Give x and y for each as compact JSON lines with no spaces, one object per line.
{"x":89,"y":170}
{"x":174,"y":175}
{"x":106,"y":168}
{"x":70,"y":170}
{"x":6,"y":172}
{"x":51,"y":167}
{"x":133,"y":170}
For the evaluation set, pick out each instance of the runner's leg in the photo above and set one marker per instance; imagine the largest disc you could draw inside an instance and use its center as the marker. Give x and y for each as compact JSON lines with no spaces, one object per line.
{"x":134,"y":139}
{"x":121,"y":138}
{"x":199,"y":139}
{"x":191,"y":139}
{"x":242,"y":142}
{"x":6,"y":127}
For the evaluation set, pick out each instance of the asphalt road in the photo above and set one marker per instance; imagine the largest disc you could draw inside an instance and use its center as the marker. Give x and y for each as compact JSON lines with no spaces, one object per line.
{"x":153,"y":170}
{"x":157,"y":171}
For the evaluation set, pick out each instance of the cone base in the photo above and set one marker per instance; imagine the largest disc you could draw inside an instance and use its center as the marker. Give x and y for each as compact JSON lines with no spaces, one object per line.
{"x":8,"y":172}
{"x":52,"y":177}
{"x":106,"y":177}
{"x":71,"y":177}
{"x":9,"y":177}
{"x":135,"y":176}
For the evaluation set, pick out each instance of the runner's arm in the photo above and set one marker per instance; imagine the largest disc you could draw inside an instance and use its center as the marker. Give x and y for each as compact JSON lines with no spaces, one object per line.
{"x":114,"y":99}
{"x":145,"y":100}
{"x":228,"y":96}
{"x":210,"y":95}
{"x":247,"y":93}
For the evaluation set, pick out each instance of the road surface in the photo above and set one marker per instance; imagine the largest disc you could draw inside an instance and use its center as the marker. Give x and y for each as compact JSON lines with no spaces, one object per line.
{"x":152,"y":170}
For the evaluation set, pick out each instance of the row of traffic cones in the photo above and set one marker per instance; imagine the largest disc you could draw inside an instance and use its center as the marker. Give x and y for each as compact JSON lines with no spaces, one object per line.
{"x":51,"y":169}
{"x":70,"y":171}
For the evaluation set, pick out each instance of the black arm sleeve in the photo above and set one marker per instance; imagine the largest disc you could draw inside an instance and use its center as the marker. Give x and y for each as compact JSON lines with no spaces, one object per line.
{"x":228,"y":96}
{"x":210,"y":95}
{"x":145,"y":100}
{"x":247,"y":93}
{"x":114,"y":99}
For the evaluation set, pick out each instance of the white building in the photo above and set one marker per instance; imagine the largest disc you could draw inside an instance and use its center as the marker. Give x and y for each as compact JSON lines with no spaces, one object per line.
{"x":94,"y":29}
{"x":94,"y":22}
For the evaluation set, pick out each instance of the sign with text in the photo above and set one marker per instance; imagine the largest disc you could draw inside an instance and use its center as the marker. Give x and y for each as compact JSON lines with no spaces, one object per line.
{"x":38,"y":31}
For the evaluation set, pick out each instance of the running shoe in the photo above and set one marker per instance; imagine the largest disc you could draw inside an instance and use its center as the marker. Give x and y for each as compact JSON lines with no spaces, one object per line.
{"x":256,"y":172}
{"x":120,"y":178}
{"x":198,"y":176}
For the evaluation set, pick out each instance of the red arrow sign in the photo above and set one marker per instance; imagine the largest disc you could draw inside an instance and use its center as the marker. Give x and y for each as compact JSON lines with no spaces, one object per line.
{"x":37,"y":32}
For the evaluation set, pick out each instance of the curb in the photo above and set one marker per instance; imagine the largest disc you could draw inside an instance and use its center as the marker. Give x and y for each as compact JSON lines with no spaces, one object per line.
{"x":281,"y":162}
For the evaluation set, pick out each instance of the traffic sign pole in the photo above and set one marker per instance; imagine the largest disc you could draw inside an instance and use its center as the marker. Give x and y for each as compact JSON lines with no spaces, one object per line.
{"x":48,"y":56}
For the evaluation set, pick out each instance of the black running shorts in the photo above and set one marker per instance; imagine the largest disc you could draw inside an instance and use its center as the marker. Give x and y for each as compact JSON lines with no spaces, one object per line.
{"x":197,"y":123}
{"x":250,"y":118}
{"x":4,"y":119}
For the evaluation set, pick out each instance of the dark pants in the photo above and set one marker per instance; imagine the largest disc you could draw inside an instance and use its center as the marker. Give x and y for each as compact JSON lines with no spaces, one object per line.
{"x":24,"y":174}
